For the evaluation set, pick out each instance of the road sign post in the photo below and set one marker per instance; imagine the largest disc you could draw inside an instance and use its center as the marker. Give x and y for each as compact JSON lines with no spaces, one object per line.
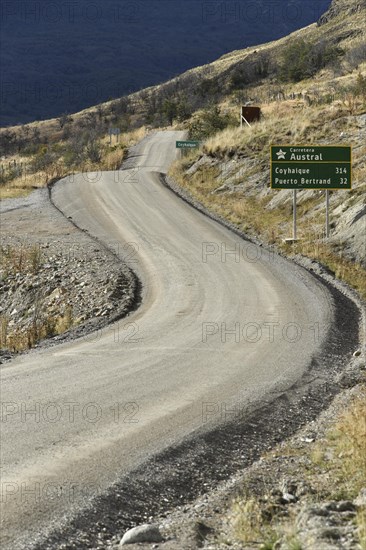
{"x":114,"y":132}
{"x":187,"y":145}
{"x":327,"y":214}
{"x":311,"y":167}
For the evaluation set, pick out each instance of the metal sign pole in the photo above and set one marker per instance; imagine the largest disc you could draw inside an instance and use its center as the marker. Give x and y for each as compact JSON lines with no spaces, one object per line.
{"x":327,"y":213}
{"x":294,"y":213}
{"x":245,"y":120}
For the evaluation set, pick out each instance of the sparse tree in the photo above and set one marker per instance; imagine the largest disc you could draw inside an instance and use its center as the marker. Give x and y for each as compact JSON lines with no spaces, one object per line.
{"x":94,"y":151}
{"x":360,"y":87}
{"x":64,"y":120}
{"x":209,"y":122}
{"x":170,"y":110}
{"x":303,"y":59}
{"x":356,"y":55}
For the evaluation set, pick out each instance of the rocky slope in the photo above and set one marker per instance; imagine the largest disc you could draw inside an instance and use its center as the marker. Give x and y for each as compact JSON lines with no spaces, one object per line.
{"x":343,"y":8}
{"x":56,"y":282}
{"x":230,"y":176}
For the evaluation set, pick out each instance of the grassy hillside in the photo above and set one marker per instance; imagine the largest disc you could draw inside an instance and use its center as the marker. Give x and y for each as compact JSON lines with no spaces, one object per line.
{"x":311,"y":88}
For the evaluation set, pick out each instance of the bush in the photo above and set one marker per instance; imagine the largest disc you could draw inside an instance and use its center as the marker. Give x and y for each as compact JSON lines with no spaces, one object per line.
{"x":44,"y":158}
{"x":360,"y":86}
{"x":172,"y":109}
{"x":252,"y":70}
{"x":184,"y":110}
{"x":169,"y":110}
{"x":8,"y":142}
{"x":356,"y":55}
{"x":64,"y":120}
{"x":93,"y":151}
{"x":209,"y":122}
{"x":303,"y":59}
{"x":207,"y":88}
{"x":120,"y":106}
{"x":7,"y":176}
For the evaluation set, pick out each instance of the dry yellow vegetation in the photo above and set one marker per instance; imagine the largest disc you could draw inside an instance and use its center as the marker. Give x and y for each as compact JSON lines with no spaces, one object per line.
{"x":333,"y":469}
{"x":15,"y":260}
{"x":112,"y":157}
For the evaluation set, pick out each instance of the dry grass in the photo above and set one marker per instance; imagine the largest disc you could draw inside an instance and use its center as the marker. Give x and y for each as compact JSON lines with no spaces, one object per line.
{"x":282,"y":122}
{"x":341,"y":455}
{"x":115,"y":154}
{"x":15,"y":260}
{"x":248,"y":524}
{"x":341,"y":458}
{"x":361,"y":524}
{"x":42,"y":326}
{"x":334,"y":467}
{"x":251,"y":216}
{"x":112,"y":158}
{"x":14,"y":192}
{"x":349,"y":443}
{"x":134,"y":136}
{"x":350,"y":272}
{"x":19,"y":259}
{"x":247,"y":207}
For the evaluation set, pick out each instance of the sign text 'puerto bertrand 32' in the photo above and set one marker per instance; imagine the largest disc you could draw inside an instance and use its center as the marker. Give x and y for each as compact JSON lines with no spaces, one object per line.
{"x":311,"y":167}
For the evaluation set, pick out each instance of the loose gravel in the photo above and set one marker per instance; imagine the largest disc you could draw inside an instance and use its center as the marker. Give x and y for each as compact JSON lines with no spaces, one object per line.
{"x":70,"y":271}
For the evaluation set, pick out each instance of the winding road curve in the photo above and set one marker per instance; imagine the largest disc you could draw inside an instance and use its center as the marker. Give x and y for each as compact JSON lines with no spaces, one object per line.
{"x":105,"y":403}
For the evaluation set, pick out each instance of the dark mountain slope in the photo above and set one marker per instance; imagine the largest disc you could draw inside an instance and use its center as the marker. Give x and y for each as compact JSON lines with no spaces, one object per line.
{"x":63,"y":56}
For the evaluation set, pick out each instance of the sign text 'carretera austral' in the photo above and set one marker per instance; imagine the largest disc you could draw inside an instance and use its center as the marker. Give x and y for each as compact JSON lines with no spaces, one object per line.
{"x":311,"y":167}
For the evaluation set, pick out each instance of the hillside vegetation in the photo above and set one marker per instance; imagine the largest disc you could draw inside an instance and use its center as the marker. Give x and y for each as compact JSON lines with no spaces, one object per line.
{"x":311,"y":88}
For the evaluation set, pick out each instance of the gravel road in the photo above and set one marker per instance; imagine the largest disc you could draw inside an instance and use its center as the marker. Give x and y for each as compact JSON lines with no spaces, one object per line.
{"x":223,"y":323}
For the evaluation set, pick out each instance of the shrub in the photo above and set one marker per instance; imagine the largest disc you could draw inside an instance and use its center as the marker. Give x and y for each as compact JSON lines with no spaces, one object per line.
{"x":303,"y":59}
{"x":94,"y":151}
{"x":209,"y":122}
{"x":44,"y":158}
{"x":251,"y":71}
{"x":356,"y":55}
{"x":169,"y":110}
{"x":360,"y":86}
{"x":64,"y":120}
{"x":207,"y":88}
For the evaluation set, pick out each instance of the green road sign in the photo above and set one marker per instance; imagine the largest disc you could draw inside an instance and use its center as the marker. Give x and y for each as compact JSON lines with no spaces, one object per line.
{"x":187,"y":144}
{"x":311,"y":167}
